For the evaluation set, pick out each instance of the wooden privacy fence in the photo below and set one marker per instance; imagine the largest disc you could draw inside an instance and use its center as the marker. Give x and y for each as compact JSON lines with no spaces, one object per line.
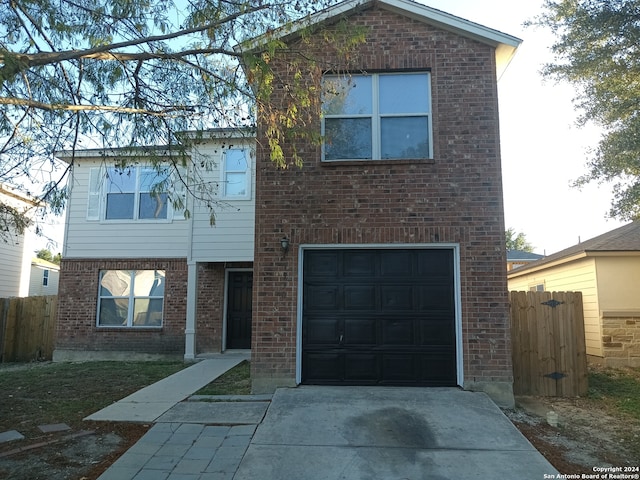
{"x":27,"y":328}
{"x":549,"y":352}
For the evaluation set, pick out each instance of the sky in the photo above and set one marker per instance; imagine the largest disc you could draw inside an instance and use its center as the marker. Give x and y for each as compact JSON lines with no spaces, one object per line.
{"x":543,"y":151}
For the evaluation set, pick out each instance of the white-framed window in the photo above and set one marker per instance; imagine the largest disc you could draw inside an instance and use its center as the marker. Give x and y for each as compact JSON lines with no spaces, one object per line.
{"x":135,"y":193}
{"x":537,"y":288}
{"x":381,"y":116}
{"x":131,"y":298}
{"x":236,"y":174}
{"x":45,"y":278}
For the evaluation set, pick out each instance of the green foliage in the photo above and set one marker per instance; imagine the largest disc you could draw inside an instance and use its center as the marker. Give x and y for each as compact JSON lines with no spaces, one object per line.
{"x":46,"y":254}
{"x":517,"y":242}
{"x":134,"y":73}
{"x":236,"y":381}
{"x":618,"y":388}
{"x":597,"y":49}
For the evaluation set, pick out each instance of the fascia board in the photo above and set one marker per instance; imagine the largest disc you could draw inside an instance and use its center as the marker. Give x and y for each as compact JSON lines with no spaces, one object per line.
{"x":505,"y":45}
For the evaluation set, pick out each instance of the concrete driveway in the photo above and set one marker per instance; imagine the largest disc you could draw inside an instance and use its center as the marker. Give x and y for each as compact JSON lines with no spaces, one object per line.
{"x":328,"y":433}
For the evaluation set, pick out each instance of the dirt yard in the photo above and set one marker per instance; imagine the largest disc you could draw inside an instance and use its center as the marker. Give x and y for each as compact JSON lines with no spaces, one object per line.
{"x":584,"y":438}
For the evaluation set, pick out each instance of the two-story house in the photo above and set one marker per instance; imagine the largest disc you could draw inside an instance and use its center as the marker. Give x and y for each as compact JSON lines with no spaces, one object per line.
{"x":379,"y":262}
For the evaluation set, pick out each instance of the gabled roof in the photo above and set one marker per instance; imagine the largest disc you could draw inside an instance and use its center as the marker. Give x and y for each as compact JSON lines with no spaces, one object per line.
{"x":622,"y":239}
{"x":522,"y":256}
{"x":504,"y":44}
{"x":44,"y":264}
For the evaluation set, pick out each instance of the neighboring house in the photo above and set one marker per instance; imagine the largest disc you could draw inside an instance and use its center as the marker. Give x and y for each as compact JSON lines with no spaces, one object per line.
{"x":15,"y":248}
{"x":519,"y":258}
{"x":606,"y":269}
{"x":379,"y":262}
{"x":44,"y":278}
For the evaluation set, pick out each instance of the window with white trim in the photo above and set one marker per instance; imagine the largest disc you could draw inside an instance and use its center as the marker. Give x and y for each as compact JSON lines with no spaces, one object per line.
{"x":45,"y":278}
{"x":135,"y":193}
{"x":131,"y":298}
{"x":382,"y":116}
{"x":236,"y":174}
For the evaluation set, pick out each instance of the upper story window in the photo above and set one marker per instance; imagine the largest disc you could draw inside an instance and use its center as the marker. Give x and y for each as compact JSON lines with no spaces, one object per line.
{"x":236,"y":174}
{"x":377,"y":117}
{"x":133,"y":193}
{"x":45,"y":278}
{"x":136,"y":193}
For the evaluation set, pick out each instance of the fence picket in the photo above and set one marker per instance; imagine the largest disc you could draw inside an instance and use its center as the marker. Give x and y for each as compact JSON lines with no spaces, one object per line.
{"x":549,"y":352}
{"x":29,"y":325}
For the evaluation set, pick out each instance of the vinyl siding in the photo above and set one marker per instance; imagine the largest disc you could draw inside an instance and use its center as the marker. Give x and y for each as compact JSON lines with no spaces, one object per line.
{"x":232,"y":236}
{"x":121,"y":239}
{"x":231,"y":239}
{"x":577,"y":276}
{"x":11,"y":264}
{"x":619,"y":283}
{"x":36,"y":288}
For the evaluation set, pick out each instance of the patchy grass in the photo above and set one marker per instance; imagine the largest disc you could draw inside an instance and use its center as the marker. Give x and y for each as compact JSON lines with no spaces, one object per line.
{"x":236,"y":381}
{"x":47,"y":393}
{"x":617,"y":390}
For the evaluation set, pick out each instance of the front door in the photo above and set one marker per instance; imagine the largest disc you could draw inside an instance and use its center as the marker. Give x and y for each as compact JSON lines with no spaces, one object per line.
{"x":239,"y":310}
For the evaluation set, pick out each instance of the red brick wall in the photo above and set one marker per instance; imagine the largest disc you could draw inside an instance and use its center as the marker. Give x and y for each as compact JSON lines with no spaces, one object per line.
{"x":78,"y":291}
{"x":456,"y":197}
{"x":210,"y":305}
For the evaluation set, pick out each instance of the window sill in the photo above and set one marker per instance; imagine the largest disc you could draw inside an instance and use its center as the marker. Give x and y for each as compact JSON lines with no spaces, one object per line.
{"x":403,"y":161}
{"x":111,"y":328}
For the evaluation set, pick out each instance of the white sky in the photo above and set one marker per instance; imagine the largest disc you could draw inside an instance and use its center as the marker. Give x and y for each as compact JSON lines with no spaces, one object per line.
{"x":543,"y":150}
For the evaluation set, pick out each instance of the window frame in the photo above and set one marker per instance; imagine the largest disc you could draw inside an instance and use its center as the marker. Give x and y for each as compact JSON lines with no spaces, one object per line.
{"x":376,"y":117}
{"x":131,"y":298}
{"x":137,"y":193}
{"x":45,"y":277}
{"x":223,"y":174}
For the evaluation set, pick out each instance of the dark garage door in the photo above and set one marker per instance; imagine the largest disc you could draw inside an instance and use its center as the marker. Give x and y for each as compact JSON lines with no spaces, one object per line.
{"x":378,"y":317}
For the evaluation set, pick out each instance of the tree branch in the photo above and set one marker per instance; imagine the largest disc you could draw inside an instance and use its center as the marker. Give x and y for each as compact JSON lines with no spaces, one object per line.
{"x":78,"y":108}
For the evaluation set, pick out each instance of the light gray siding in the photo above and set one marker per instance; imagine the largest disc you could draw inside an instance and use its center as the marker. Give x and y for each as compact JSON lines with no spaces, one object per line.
{"x":230,"y":239}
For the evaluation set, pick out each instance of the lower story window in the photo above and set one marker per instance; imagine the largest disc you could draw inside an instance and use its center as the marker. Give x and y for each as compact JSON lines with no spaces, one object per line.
{"x":131,"y":298}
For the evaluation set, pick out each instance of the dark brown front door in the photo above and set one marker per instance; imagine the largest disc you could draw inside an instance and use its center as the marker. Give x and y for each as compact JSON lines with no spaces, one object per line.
{"x":379,"y":317}
{"x":239,"y":310}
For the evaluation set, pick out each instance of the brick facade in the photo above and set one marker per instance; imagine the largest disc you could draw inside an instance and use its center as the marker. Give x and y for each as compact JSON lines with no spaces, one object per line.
{"x":76,"y":329}
{"x":454,"y":198}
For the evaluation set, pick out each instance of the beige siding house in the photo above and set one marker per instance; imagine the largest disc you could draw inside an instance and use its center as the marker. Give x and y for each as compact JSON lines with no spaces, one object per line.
{"x":44,"y":278}
{"x":606,"y":269}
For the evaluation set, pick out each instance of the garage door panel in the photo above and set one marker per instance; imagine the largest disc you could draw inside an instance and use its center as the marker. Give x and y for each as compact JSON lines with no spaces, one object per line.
{"x":322,"y":264}
{"x":321,"y":331}
{"x":399,"y":368}
{"x":379,"y":317}
{"x":435,"y":262}
{"x":396,"y":298}
{"x":359,"y":331}
{"x":397,"y":331}
{"x":436,"y":331}
{"x":397,"y":263}
{"x":318,"y":297}
{"x":359,"y":264}
{"x":322,"y":367}
{"x":435,"y":297}
{"x":359,"y":297}
{"x":361,"y":367}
